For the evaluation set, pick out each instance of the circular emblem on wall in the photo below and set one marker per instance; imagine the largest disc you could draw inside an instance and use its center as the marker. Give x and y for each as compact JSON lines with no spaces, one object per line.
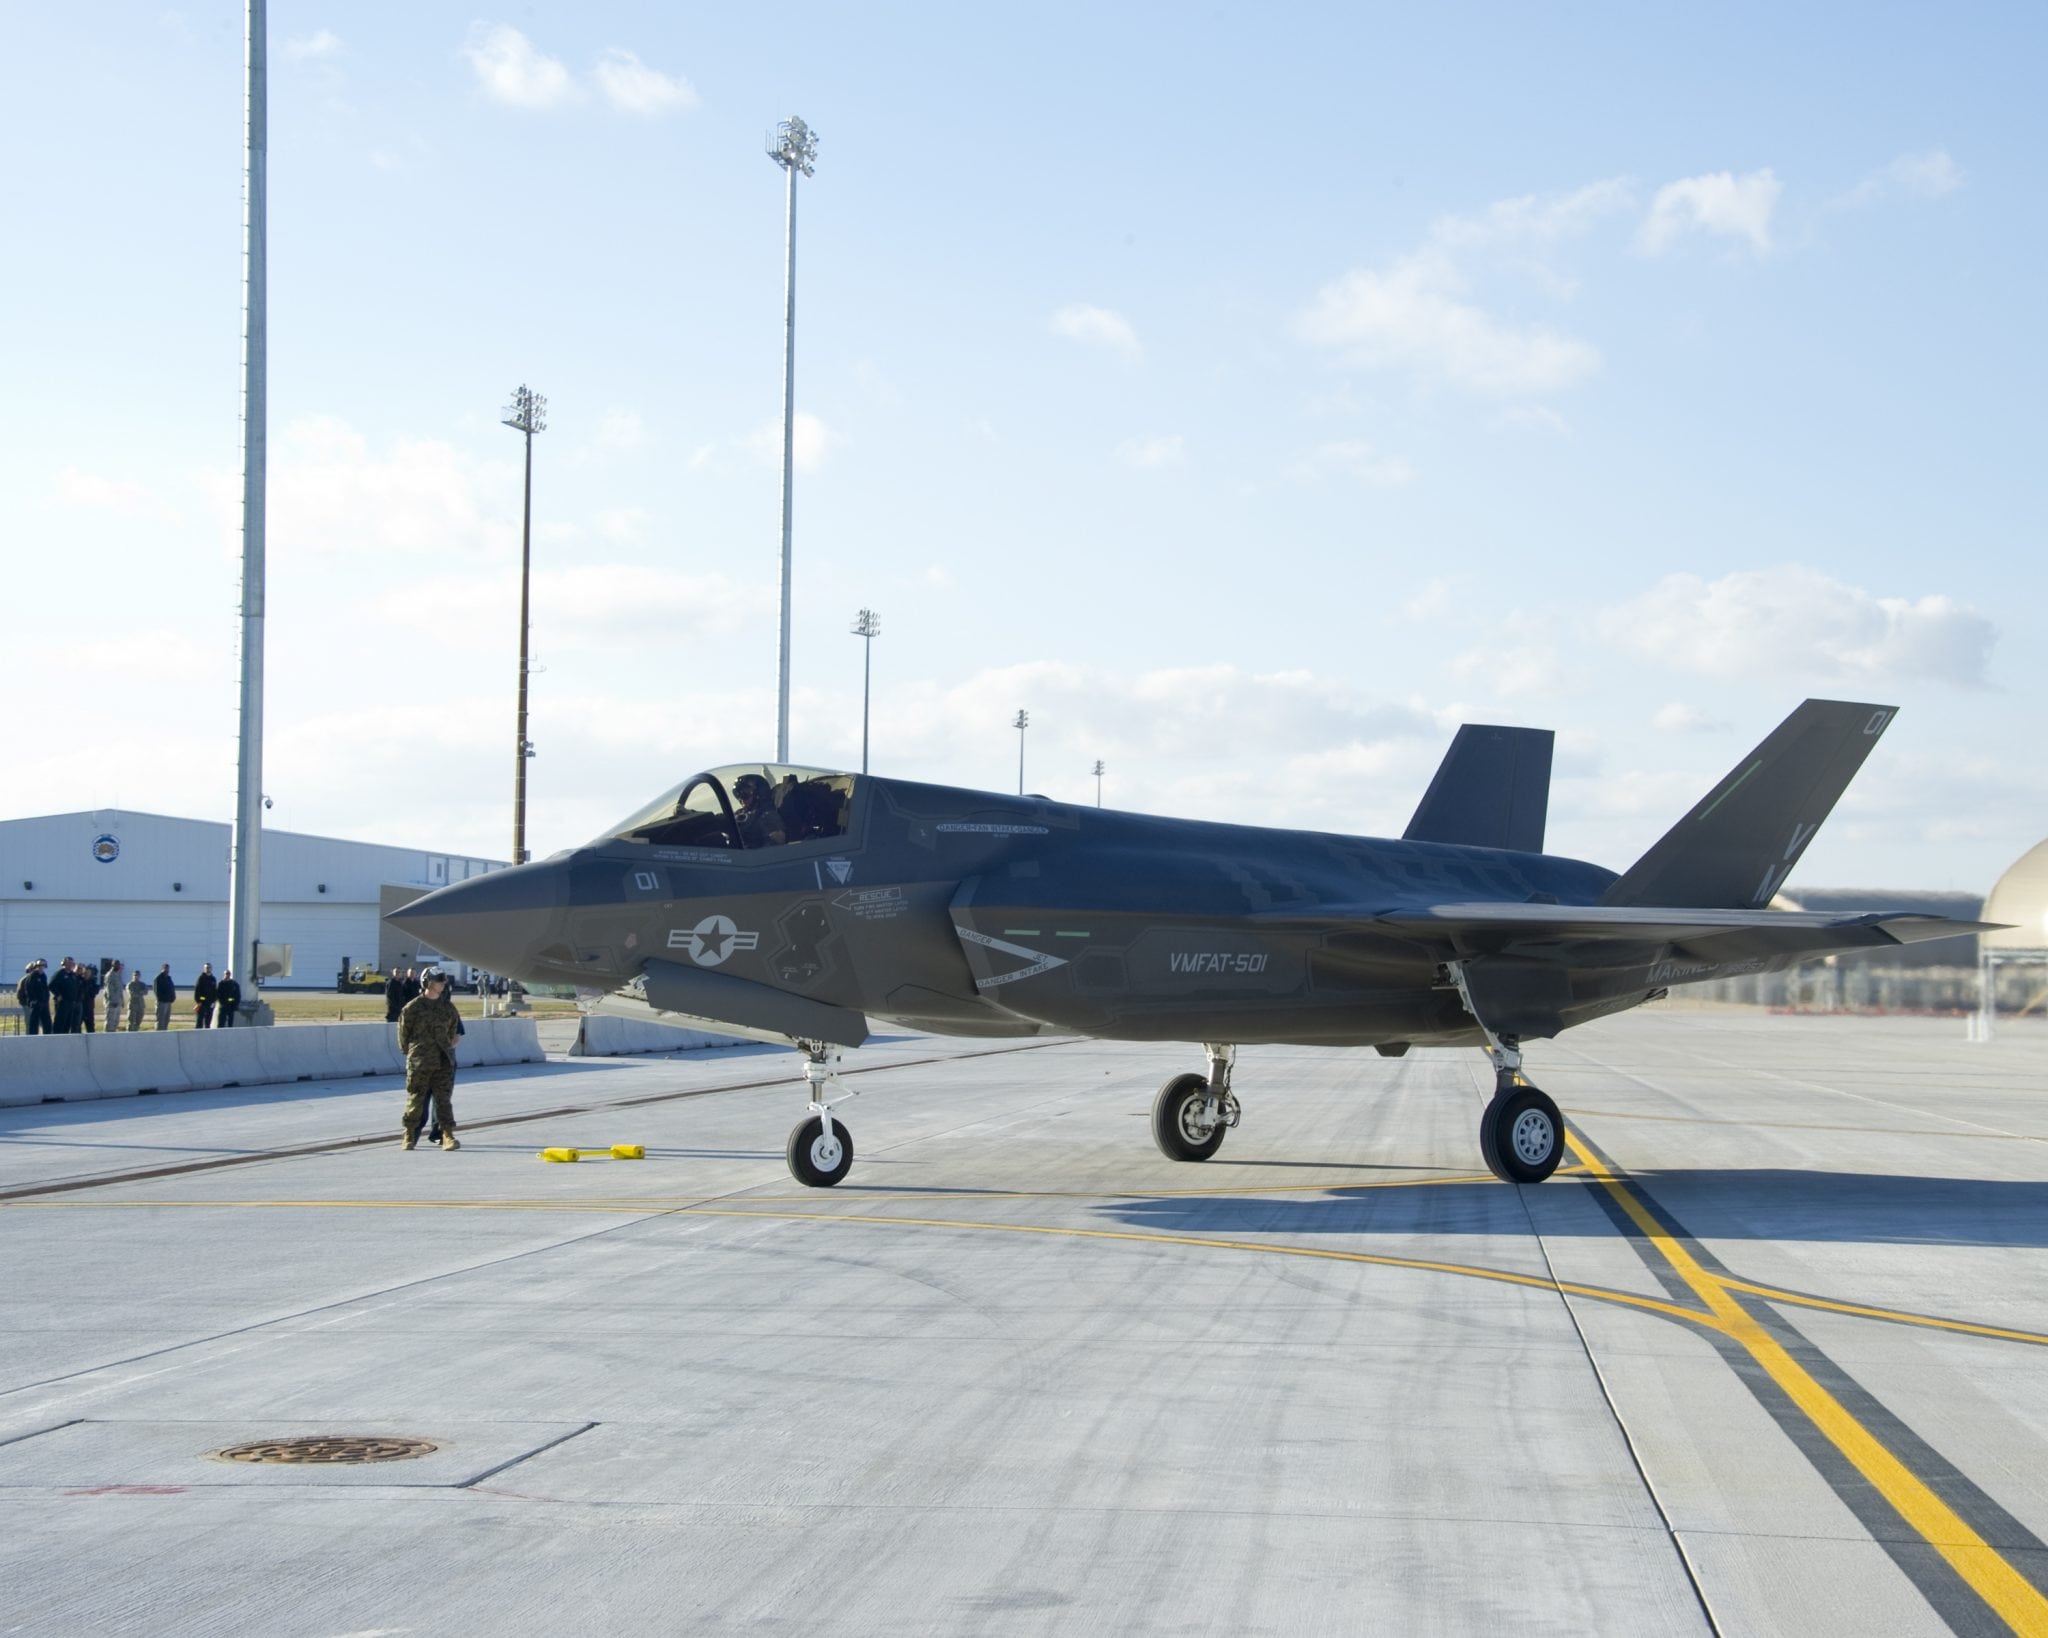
{"x":106,"y":849}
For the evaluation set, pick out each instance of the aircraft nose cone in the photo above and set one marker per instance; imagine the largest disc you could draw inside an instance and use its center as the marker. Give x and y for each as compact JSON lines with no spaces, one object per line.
{"x":495,"y":922}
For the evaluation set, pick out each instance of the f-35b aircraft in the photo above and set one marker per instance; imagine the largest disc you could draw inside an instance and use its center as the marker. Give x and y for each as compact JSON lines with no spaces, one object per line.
{"x":799,"y":904}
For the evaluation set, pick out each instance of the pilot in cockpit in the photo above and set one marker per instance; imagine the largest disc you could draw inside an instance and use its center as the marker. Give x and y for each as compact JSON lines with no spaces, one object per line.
{"x":758,"y":823}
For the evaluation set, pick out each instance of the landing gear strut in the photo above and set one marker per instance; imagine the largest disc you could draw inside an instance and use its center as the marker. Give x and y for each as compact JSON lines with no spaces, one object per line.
{"x":820,"y":1150}
{"x":1192,"y":1112}
{"x":1521,"y":1135}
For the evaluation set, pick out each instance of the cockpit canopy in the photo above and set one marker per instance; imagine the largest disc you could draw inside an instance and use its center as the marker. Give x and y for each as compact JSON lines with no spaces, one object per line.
{"x":746,"y":805}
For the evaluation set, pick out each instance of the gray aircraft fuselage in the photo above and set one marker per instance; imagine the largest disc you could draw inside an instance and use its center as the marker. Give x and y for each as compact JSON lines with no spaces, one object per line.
{"x":968,"y":913}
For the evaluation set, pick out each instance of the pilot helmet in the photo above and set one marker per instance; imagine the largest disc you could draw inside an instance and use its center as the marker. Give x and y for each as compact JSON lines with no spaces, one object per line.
{"x":750,"y":787}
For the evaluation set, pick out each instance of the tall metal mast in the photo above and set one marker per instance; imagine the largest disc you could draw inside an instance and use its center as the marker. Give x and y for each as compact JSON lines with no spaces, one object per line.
{"x":794,"y":146}
{"x":528,"y":414}
{"x":867,"y":625}
{"x":245,"y":886}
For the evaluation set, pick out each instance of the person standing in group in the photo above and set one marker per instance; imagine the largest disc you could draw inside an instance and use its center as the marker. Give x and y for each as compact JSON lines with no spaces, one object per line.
{"x":204,"y":989}
{"x":88,"y":996}
{"x":64,"y":998}
{"x":117,"y":989}
{"x":426,"y":1035}
{"x":166,"y":989}
{"x":394,"y":996}
{"x":138,"y":998}
{"x":409,"y":991}
{"x":39,"y":998}
{"x":227,"y":996}
{"x":25,"y":998}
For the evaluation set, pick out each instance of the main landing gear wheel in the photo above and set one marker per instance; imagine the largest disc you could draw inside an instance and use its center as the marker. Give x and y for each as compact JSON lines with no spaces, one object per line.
{"x":1521,"y":1135}
{"x":1179,"y":1120}
{"x":818,"y":1161}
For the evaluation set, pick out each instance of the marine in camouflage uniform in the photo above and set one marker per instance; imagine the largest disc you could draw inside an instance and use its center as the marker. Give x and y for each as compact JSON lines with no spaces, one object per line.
{"x":426,"y":1035}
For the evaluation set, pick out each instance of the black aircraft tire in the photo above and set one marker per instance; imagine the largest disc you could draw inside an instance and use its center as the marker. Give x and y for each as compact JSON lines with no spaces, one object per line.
{"x":1521,"y":1135}
{"x":815,"y":1163}
{"x":1176,"y":1140}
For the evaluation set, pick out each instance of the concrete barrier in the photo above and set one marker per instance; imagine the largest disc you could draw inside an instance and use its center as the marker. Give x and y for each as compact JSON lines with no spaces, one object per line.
{"x":498,"y":1041}
{"x":295,"y":1053}
{"x":219,"y":1057}
{"x":603,"y":1035}
{"x":363,"y":1049}
{"x":35,"y":1068}
{"x":123,"y":1065}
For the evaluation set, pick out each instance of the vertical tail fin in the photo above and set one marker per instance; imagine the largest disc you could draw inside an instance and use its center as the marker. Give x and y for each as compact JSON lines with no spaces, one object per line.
{"x":1737,"y":846}
{"x":1492,"y":789}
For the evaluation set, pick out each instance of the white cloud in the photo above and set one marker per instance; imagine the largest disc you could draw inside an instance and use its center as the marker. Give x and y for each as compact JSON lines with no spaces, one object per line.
{"x":810,"y":442}
{"x":1353,"y":458}
{"x":323,"y":43}
{"x":124,"y":496}
{"x":1149,"y":454}
{"x":1679,"y":718}
{"x":1097,"y":326}
{"x":512,"y":71}
{"x":330,"y":493}
{"x":1410,"y":316}
{"x":1535,"y":219}
{"x":1794,"y":621}
{"x":1525,"y":672}
{"x":1214,"y":742}
{"x":621,"y":429}
{"x":1735,"y":207}
{"x":630,"y":86}
{"x":1416,"y":312}
{"x":1926,"y":175}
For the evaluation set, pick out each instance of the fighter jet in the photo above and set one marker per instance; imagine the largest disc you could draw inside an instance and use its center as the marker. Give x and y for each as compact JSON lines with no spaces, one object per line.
{"x":799,"y":905}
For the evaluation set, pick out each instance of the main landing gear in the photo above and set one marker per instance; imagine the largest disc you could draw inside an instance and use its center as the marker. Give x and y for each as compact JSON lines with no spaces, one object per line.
{"x":1192,"y":1112}
{"x":1521,"y":1135}
{"x":820,"y":1150}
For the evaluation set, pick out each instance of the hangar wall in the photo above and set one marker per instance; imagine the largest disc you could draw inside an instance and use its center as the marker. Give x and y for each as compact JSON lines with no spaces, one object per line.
{"x":148,"y":888}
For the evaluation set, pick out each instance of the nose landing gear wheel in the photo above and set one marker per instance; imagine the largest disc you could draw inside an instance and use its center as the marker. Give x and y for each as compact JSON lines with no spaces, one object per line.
{"x":818,"y":1161}
{"x":1521,"y":1135}
{"x":1178,"y":1126}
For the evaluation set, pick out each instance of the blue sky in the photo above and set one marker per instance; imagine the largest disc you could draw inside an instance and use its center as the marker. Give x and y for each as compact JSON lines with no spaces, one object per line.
{"x":1250,"y":396}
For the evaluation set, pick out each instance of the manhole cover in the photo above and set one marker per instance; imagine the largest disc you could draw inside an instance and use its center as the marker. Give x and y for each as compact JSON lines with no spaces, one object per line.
{"x":345,"y":1448}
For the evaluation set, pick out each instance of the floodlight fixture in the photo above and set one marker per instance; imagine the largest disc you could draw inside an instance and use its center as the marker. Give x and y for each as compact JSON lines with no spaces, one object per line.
{"x":794,"y":146}
{"x":1097,"y":770}
{"x":1021,"y":722}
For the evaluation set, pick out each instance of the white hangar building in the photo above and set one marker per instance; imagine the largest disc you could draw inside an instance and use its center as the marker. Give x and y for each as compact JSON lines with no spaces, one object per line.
{"x":146,"y":888}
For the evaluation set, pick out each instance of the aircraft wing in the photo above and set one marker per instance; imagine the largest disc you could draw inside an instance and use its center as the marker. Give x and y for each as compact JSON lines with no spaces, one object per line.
{"x":1464,"y":930}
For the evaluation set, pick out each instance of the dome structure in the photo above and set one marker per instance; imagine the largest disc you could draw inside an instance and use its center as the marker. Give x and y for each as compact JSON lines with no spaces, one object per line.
{"x":2021,"y":898}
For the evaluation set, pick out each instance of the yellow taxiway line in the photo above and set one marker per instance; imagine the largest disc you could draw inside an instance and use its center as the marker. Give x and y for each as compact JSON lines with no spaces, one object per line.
{"x":1982,"y":1567}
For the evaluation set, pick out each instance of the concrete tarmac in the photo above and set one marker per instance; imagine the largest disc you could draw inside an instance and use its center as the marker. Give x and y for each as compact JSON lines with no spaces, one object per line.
{"x":1769,"y":1356}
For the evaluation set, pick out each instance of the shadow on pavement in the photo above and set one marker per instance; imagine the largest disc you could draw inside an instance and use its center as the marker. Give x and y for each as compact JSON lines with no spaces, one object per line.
{"x":1853,"y":1207}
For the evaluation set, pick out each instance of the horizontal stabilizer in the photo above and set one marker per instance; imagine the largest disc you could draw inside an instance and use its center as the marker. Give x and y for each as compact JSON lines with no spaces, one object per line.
{"x":1737,"y":846}
{"x":1492,"y":789}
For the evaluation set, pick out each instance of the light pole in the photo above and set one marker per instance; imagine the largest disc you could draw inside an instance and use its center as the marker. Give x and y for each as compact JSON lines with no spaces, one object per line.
{"x":526,"y":414}
{"x":245,"y":881}
{"x":1098,"y":782}
{"x":1023,"y":721}
{"x":794,"y":146}
{"x":867,"y":626}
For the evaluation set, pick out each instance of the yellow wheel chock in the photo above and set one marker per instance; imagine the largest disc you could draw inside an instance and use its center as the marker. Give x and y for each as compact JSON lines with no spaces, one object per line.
{"x":618,"y":1151}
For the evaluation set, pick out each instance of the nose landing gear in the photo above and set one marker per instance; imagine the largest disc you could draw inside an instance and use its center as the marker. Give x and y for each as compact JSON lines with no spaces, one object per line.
{"x":820,"y":1151}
